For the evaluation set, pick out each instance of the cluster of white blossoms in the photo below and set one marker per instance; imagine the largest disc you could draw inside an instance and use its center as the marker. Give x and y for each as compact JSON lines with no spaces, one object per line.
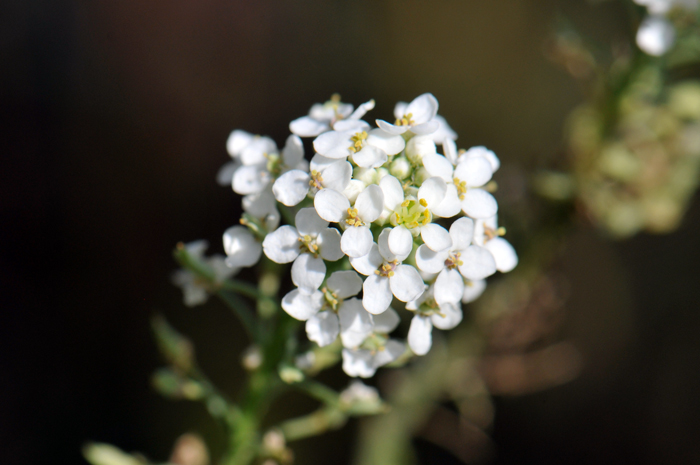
{"x":656,"y":33}
{"x":388,"y":214}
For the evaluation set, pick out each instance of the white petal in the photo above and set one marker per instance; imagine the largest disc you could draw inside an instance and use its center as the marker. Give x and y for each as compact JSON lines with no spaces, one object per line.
{"x":419,"y":147}
{"x":386,"y":322}
{"x":369,"y":263}
{"x":435,"y":236}
{"x":473,"y":290}
{"x":329,"y":244}
{"x":302,"y":306}
{"x":282,"y":245}
{"x":450,"y":205}
{"x":400,"y":242}
{"x":429,"y":261}
{"x":351,"y":126}
{"x":319,"y":162}
{"x":358,"y":363}
{"x":426,"y":129}
{"x":462,"y":233}
{"x":478,"y":263}
{"x":323,"y":328}
{"x":476,"y":171}
{"x":362,"y":110}
{"x":444,"y":132}
{"x":392,"y":350}
{"x":353,"y":189}
{"x":420,"y":337}
{"x":370,"y":203}
{"x":389,"y":143}
{"x":260,"y":204}
{"x":393,"y":192}
{"x":293,"y":151}
{"x":438,"y":165}
{"x":655,"y":35}
{"x":390,"y":128}
{"x":423,"y":108}
{"x":433,"y":191}
{"x":356,"y":241}
{"x":250,"y":180}
{"x":308,"y":222}
{"x":308,"y":127}
{"x":449,"y":287}
{"x":254,"y":152}
{"x":292,"y":187}
{"x":241,"y":247}
{"x":376,"y":296}
{"x":237,"y":141}
{"x":355,"y":323}
{"x":369,"y":157}
{"x":224,"y":177}
{"x":400,"y":109}
{"x":333,"y":144}
{"x":308,"y":272}
{"x":344,"y":283}
{"x":337,"y":175}
{"x":383,"y":245}
{"x":450,"y":149}
{"x":451,"y":316}
{"x":503,"y":253}
{"x":331,"y":205}
{"x":406,"y":284}
{"x":481,"y":151}
{"x":478,"y":203}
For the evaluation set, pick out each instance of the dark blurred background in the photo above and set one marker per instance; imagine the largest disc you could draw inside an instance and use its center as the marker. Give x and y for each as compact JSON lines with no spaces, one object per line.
{"x":114,"y":122}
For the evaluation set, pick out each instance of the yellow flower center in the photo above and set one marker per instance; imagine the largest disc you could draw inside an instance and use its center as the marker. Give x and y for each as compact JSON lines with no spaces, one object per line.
{"x":331,"y":298}
{"x":453,"y":261}
{"x":387,"y":269}
{"x":405,"y":120}
{"x":353,"y":219}
{"x":461,"y":188}
{"x":412,"y":214}
{"x":357,"y":141}
{"x":316,"y":180}
{"x":491,"y":233}
{"x":308,"y":244}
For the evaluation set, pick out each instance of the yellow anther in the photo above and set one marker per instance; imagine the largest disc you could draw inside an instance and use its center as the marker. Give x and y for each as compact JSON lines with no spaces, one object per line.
{"x":335,"y":98}
{"x":357,"y":141}
{"x":316,"y":180}
{"x":491,"y":233}
{"x":353,"y":219}
{"x":406,"y":120}
{"x":423,"y":202}
{"x":405,"y":203}
{"x":461,"y":187}
{"x":453,"y":261}
{"x":387,"y":269}
{"x":391,"y":273}
{"x":501,"y":231}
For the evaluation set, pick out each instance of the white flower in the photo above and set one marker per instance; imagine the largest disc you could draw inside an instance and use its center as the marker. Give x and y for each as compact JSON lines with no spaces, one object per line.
{"x":261,"y":163}
{"x":418,"y":117}
{"x":262,"y":206}
{"x":377,"y":349}
{"x":368,"y":148}
{"x":412,"y":217}
{"x":429,"y":313}
{"x":326,"y":173}
{"x":488,"y":234}
{"x":655,"y":35}
{"x":661,"y":7}
{"x":195,"y":292}
{"x":307,"y":246}
{"x":473,"y":290}
{"x":335,"y":207}
{"x":472,"y":261}
{"x":241,"y":247}
{"x":469,"y":175}
{"x":321,"y":117}
{"x":386,"y":276}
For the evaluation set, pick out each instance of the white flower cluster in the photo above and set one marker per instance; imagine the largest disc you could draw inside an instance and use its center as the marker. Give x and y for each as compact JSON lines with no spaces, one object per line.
{"x":414,"y":224}
{"x":656,"y":33}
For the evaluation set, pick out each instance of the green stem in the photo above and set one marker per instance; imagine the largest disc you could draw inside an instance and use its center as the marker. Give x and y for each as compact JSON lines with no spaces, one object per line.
{"x":313,"y":424}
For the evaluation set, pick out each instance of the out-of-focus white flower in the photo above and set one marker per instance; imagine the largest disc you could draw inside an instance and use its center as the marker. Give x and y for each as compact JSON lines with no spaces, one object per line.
{"x":655,"y":35}
{"x":377,"y":349}
{"x":293,"y":186}
{"x":445,"y":314}
{"x":241,"y":247}
{"x":661,"y":7}
{"x":194,"y":290}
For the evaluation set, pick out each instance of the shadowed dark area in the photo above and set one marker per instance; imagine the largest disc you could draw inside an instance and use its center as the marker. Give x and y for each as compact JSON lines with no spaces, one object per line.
{"x":114,"y":121}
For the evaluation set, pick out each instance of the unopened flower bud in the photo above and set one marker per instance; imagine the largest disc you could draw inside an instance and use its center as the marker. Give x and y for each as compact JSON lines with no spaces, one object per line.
{"x":400,"y":168}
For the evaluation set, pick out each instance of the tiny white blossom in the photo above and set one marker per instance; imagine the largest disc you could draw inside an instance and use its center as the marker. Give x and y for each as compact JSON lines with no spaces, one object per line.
{"x":195,"y":292}
{"x":321,"y":117}
{"x":489,"y":235}
{"x":418,"y":117}
{"x":241,"y":247}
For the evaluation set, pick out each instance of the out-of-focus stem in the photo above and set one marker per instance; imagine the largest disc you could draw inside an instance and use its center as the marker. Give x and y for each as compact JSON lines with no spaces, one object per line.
{"x":313,"y":424}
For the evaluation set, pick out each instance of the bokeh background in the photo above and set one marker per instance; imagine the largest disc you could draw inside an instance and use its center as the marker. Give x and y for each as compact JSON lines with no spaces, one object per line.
{"x":114,"y":122}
